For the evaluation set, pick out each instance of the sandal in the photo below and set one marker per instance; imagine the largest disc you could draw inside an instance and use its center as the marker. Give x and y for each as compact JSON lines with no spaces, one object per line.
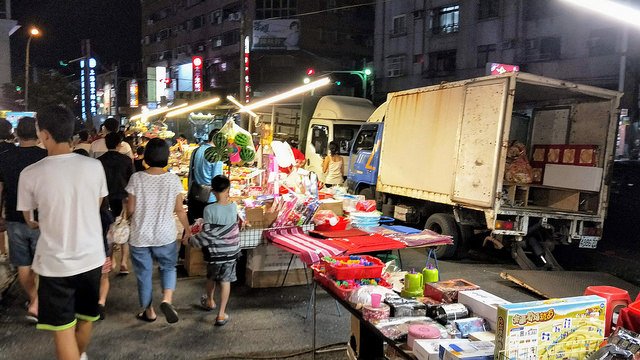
{"x":204,"y":303}
{"x":169,"y":312}
{"x":143,"y":316}
{"x":222,"y":321}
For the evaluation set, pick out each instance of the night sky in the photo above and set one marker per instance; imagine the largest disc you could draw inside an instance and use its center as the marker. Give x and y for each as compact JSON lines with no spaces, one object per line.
{"x":112,"y":25}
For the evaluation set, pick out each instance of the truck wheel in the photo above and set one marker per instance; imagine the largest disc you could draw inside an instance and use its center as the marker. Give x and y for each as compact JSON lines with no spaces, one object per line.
{"x":444,"y":224}
{"x":367,"y":192}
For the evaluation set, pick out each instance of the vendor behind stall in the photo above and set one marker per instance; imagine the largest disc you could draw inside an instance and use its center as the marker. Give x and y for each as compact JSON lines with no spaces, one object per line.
{"x":201,"y":172}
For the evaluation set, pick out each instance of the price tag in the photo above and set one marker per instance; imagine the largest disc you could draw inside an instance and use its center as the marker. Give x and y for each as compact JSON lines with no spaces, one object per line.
{"x":589,"y":242}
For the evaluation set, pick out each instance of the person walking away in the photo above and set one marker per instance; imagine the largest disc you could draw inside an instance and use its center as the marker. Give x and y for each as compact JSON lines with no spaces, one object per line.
{"x":84,"y":143}
{"x":220,"y":243}
{"x":6,"y":145}
{"x":332,"y":166}
{"x":67,"y":190}
{"x":201,"y":172}
{"x":138,"y":163}
{"x":118,"y":169}
{"x":99,"y":146}
{"x":22,"y":238}
{"x":154,"y":196}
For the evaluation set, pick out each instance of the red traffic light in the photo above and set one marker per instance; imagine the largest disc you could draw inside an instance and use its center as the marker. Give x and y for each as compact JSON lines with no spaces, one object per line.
{"x":311,"y":71}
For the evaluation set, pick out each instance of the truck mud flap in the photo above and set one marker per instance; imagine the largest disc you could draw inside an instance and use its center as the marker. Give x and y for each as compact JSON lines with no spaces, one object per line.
{"x":528,"y":260}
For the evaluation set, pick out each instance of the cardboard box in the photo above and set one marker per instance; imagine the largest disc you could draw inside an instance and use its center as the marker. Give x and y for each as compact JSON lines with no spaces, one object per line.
{"x":259,"y":218}
{"x":470,"y":350}
{"x":482,"y":303}
{"x":404,"y":213}
{"x":447,"y":291}
{"x":483,"y":336}
{"x":560,"y":328}
{"x":268,"y":279}
{"x":573,"y":177}
{"x":267,"y":257}
{"x":333,"y":205}
{"x":193,"y":262}
{"x":429,"y":349}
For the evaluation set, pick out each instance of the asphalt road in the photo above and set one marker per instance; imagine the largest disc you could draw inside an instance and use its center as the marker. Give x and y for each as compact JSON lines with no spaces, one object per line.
{"x":265,"y":323}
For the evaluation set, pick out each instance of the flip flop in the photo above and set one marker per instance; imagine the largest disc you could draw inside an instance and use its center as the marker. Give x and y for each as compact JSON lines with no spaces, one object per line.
{"x":204,"y":305}
{"x":169,"y":312}
{"x":32,"y":318}
{"x":222,"y":321}
{"x":123,"y":272}
{"x":143,"y":317}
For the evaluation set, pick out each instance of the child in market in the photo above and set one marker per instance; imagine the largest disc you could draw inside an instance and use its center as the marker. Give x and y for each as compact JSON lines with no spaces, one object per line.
{"x":220,"y":243}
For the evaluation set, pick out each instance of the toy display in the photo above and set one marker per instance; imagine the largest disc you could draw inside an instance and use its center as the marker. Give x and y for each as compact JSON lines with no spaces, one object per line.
{"x":447,"y":291}
{"x":559,"y":328}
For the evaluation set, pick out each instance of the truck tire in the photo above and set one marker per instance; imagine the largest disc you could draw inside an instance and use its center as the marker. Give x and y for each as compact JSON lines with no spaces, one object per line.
{"x":444,"y":224}
{"x":368,"y":193}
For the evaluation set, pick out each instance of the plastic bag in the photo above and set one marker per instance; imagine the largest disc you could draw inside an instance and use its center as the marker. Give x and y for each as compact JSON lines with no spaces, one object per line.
{"x":323,"y":217}
{"x":362,"y":295}
{"x":518,"y":169}
{"x":366,"y":205}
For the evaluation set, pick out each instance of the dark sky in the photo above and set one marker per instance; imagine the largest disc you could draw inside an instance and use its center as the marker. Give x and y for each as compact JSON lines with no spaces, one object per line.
{"x":112,"y":25}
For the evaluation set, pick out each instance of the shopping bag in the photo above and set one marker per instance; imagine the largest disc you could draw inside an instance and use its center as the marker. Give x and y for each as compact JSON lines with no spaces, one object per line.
{"x":119,"y":231}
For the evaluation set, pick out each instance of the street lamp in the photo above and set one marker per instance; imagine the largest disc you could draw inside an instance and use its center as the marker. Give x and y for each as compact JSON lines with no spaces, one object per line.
{"x":32,"y":32}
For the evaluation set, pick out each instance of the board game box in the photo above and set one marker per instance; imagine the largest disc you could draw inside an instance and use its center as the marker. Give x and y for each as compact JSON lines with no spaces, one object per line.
{"x":569,"y":328}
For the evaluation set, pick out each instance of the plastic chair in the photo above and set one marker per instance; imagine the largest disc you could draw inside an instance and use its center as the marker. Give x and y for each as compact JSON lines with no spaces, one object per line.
{"x":615,"y":298}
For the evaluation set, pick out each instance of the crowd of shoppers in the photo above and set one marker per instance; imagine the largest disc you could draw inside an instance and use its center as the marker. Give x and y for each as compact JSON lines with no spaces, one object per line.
{"x":59,"y":199}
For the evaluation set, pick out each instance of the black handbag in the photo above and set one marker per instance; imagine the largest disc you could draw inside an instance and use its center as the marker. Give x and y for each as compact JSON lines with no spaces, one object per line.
{"x":196,"y":191}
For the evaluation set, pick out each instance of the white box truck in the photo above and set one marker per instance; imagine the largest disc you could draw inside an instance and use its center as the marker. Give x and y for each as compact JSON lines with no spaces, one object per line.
{"x":437,"y":156}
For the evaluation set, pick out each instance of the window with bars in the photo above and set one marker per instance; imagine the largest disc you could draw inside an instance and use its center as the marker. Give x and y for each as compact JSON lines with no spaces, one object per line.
{"x":543,"y":49}
{"x":395,"y":66}
{"x":216,"y":41}
{"x":446,"y":19}
{"x":488,"y":9}
{"x":231,"y":37}
{"x":266,"y":9}
{"x":197,"y":22}
{"x":485,"y":54}
{"x":399,"y":25}
{"x":216,"y":17}
{"x":442,"y":63}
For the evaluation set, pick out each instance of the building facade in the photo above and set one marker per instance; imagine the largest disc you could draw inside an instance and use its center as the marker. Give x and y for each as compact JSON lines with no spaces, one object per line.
{"x":281,"y":38}
{"x":6,"y":24}
{"x":421,"y":42}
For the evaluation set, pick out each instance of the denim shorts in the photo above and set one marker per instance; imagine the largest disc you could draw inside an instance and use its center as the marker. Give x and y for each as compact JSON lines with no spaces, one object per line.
{"x":223,"y":272}
{"x":22,"y":243}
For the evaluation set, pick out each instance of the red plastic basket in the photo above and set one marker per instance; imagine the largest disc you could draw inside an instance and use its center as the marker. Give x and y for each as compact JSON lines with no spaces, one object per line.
{"x":341,"y":225}
{"x":321,"y":276}
{"x":343,"y":272}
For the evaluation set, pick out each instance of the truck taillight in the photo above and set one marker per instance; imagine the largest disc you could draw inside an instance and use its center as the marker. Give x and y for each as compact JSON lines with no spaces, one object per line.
{"x":504,"y":225}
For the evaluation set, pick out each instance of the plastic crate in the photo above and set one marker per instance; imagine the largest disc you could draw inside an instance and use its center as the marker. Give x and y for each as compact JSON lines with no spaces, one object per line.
{"x":342,"y":272}
{"x":320,"y":275}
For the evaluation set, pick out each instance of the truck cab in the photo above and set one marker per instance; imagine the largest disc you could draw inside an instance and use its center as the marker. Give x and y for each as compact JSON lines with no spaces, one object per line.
{"x":336,"y":118}
{"x":365,"y":155}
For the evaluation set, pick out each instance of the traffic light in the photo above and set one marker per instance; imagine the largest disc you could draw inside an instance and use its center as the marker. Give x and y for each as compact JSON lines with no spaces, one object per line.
{"x":338,"y":83}
{"x":311,"y":71}
{"x":367,"y":71}
{"x":18,"y":88}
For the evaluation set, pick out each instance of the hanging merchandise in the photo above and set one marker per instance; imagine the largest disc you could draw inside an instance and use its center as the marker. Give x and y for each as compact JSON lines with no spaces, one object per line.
{"x":430,"y":271}
{"x":233,"y":144}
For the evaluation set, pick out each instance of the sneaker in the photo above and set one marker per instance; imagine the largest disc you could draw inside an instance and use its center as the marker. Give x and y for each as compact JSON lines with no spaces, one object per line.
{"x":84,"y":356}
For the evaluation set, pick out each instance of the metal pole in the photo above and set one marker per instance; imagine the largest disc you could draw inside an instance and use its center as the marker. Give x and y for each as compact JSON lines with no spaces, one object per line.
{"x":26,"y":77}
{"x":623,"y":58}
{"x":115,"y":99}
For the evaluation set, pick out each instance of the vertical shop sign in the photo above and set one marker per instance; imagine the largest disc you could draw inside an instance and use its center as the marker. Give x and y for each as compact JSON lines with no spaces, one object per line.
{"x":88,"y":90}
{"x":93,"y":101}
{"x":196,"y":63}
{"x":247,"y":82}
{"x":133,"y":93}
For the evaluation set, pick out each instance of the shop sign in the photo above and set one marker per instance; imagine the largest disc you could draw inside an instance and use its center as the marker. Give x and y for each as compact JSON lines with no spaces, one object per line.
{"x":196,"y":63}
{"x":499,"y":69}
{"x":133,"y":93}
{"x":282,"y":34}
{"x":247,"y":82}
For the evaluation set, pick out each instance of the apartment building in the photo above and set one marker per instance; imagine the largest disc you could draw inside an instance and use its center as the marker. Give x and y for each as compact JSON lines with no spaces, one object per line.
{"x":6,"y":24}
{"x":281,"y":39}
{"x":424,"y":42}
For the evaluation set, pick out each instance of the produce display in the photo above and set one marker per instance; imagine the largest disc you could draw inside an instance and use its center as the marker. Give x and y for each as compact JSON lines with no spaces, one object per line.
{"x":232,"y":144}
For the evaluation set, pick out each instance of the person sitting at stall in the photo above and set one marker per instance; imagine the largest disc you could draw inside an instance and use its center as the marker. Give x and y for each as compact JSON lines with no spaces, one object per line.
{"x":220,"y":243}
{"x":201,"y":172}
{"x":332,"y":166}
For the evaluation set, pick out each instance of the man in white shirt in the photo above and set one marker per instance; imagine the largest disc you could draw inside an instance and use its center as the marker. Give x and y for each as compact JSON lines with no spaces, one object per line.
{"x":99,"y":147}
{"x":66,"y":189}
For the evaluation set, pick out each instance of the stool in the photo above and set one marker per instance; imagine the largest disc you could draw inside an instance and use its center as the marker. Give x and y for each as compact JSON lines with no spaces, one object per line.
{"x":615,"y":298}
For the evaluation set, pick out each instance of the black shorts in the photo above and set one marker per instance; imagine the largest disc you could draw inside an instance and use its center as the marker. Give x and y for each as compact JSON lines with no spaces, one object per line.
{"x":63,"y":300}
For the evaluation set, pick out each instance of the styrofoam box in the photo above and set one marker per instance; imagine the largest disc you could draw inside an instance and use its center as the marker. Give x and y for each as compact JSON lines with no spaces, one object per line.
{"x":268,"y":257}
{"x":429,"y":349}
{"x":573,"y":177}
{"x":482,"y":303}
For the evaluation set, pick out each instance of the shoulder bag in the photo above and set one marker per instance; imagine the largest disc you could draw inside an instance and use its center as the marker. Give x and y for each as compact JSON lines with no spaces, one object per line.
{"x":198,"y":192}
{"x":119,"y":230}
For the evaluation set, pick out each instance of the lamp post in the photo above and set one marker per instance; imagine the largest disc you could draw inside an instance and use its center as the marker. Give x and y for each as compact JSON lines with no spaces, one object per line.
{"x":32,"y":32}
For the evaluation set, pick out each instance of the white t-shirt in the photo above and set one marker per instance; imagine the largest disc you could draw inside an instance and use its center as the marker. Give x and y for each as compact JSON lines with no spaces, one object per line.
{"x":66,"y":190}
{"x":99,"y":147}
{"x":83,"y":146}
{"x":152,"y":223}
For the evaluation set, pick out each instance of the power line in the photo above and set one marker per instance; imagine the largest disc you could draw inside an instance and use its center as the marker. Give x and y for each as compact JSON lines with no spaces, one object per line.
{"x":328,"y":10}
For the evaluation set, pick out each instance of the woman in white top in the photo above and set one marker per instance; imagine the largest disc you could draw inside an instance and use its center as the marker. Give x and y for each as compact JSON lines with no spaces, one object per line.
{"x":154,"y":196}
{"x":332,"y":166}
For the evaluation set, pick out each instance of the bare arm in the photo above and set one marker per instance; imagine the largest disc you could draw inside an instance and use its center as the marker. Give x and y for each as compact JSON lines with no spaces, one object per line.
{"x":325,"y":164}
{"x":27,"y":219}
{"x":182,"y":217}
{"x":131,"y":204}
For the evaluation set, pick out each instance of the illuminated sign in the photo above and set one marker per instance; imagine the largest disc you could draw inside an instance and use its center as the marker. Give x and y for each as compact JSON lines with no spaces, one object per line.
{"x":88,"y":90}
{"x":133,"y":93}
{"x":196,"y":63}
{"x":499,"y":69}
{"x":247,"y":82}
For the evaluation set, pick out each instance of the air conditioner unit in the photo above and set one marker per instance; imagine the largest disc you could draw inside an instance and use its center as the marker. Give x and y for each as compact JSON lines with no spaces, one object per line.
{"x":234,"y":16}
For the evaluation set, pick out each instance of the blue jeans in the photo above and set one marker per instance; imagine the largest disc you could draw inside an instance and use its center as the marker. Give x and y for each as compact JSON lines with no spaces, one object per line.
{"x":142,"y":260}
{"x":22,"y":243}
